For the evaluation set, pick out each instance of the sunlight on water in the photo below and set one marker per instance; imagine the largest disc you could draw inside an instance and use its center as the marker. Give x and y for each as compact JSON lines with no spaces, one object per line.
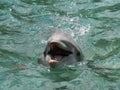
{"x":26,"y":25}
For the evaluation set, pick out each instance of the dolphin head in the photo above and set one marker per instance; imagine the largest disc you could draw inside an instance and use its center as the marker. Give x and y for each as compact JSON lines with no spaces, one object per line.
{"x":61,"y":50}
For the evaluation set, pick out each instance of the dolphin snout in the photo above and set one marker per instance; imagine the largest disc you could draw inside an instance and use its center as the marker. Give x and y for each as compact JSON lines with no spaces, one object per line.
{"x":53,"y":63}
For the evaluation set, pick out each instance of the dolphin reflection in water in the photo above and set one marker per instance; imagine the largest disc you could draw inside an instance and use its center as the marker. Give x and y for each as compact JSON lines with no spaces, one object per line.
{"x":60,"y":50}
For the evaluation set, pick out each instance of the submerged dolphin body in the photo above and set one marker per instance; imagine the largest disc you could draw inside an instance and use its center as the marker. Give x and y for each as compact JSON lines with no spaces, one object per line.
{"x":61,"y":50}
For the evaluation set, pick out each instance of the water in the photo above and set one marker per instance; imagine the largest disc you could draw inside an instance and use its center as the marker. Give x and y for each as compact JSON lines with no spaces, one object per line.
{"x":25,"y":26}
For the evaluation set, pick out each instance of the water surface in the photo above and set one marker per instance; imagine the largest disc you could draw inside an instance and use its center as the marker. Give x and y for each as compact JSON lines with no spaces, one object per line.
{"x":25,"y":26}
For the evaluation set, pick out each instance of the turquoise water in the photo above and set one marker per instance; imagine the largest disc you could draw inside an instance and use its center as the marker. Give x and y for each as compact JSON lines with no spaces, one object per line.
{"x":25,"y":26}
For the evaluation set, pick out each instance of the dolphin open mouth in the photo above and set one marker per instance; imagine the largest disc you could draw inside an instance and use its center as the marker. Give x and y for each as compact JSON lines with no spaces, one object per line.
{"x":57,"y":52}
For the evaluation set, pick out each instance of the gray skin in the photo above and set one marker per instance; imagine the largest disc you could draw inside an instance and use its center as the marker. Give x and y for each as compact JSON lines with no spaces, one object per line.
{"x":60,"y":50}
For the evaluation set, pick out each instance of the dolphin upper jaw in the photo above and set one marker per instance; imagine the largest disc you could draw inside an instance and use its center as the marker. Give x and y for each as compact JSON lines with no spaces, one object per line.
{"x":60,"y":44}
{"x":59,"y":48}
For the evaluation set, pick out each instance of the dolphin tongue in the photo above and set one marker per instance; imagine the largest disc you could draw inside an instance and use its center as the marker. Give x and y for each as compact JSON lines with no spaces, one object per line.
{"x":58,"y":57}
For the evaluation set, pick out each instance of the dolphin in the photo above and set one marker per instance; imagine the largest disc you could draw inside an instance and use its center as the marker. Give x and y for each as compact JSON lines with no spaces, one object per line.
{"x":60,"y":50}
